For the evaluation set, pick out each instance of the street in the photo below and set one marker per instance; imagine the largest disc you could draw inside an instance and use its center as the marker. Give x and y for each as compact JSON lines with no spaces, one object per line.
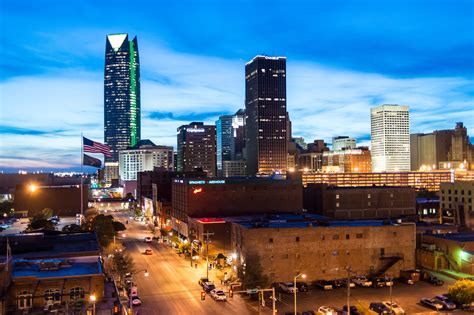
{"x":172,"y":285}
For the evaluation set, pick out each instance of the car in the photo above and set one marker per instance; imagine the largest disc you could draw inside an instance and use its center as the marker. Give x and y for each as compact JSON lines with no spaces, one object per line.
{"x":362,"y":281}
{"x":203,"y":280}
{"x":302,"y":286}
{"x":218,"y":295}
{"x":337,"y":283}
{"x":432,"y":303}
{"x":354,"y":310}
{"x":148,"y":251}
{"x":208,"y":286}
{"x":326,"y":310}
{"x":388,"y":281}
{"x":351,"y":284}
{"x":377,"y":282}
{"x":448,"y":304}
{"x":133,"y":291}
{"x":396,"y":309}
{"x":434,"y":281}
{"x":406,"y":280}
{"x":323,"y":284}
{"x":287,"y":287}
{"x":148,"y":239}
{"x":136,"y":300}
{"x":379,"y":308}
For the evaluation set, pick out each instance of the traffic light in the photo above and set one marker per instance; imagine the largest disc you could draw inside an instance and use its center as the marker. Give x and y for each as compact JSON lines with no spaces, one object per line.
{"x":203,"y":296}
{"x":231,"y":293}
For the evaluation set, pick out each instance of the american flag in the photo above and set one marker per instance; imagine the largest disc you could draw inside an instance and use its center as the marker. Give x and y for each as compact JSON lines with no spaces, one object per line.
{"x":95,"y":147}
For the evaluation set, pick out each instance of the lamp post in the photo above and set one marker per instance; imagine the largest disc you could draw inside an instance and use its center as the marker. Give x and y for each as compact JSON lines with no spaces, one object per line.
{"x":93,"y":298}
{"x":302,"y":275}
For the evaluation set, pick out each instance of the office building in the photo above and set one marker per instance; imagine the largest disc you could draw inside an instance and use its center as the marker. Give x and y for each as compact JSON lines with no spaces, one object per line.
{"x":266,"y":115}
{"x":456,"y":203}
{"x":347,"y":160}
{"x":144,"y":156}
{"x":197,"y":148}
{"x":427,"y":151}
{"x":230,"y":138}
{"x":390,"y":138}
{"x":343,"y":142}
{"x":357,"y":203}
{"x":121,"y":97}
{"x":234,"y":168}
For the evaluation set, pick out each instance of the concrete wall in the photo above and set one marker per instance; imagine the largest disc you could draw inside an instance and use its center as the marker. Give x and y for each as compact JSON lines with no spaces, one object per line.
{"x":325,"y":252}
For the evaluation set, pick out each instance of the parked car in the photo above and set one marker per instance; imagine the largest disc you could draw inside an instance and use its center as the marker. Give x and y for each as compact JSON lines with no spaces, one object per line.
{"x":218,"y":295}
{"x":337,"y":283}
{"x":362,"y":281}
{"x":448,"y":304}
{"x":302,"y":286}
{"x":323,"y":284}
{"x":379,"y":308}
{"x":354,"y":310}
{"x":203,"y":280}
{"x":148,"y":251}
{"x":406,"y":280}
{"x":434,"y":281}
{"x":287,"y":287}
{"x":136,"y":300}
{"x":208,"y":286}
{"x":326,"y":310}
{"x":432,"y":303}
{"x":396,"y":309}
{"x":388,"y":281}
{"x":148,"y":239}
{"x":351,"y":283}
{"x":377,"y":282}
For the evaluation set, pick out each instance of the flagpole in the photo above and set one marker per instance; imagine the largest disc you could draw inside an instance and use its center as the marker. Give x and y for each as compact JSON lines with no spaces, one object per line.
{"x":82,"y":180}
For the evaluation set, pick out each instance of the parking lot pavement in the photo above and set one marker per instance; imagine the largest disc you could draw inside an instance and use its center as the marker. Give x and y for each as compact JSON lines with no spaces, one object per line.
{"x":406,"y":296}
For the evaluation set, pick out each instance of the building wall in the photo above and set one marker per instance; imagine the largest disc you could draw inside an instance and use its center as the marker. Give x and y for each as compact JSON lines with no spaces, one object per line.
{"x":219,"y":242}
{"x":314,"y":250}
{"x":64,"y":201}
{"x":457,"y":202}
{"x":138,"y":160}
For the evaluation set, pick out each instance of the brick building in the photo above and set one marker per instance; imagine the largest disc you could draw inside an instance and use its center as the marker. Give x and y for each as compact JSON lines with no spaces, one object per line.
{"x":359,"y":202}
{"x":456,"y":203}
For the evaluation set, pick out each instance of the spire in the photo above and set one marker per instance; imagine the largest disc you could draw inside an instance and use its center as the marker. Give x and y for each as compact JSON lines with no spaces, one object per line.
{"x":116,"y":40}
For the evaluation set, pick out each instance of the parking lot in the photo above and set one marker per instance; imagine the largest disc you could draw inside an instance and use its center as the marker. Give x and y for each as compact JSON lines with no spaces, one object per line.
{"x":407,"y":296}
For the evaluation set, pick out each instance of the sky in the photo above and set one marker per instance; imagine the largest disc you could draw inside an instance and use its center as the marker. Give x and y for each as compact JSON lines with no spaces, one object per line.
{"x":343,"y":57}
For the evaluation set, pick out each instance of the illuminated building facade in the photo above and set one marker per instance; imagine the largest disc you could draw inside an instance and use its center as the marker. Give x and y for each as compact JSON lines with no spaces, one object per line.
{"x":457,"y":202}
{"x":266,"y":116}
{"x":347,"y":160}
{"x":121,"y":95}
{"x":230,"y":137}
{"x":343,"y":142}
{"x":197,"y":148}
{"x":390,"y":138}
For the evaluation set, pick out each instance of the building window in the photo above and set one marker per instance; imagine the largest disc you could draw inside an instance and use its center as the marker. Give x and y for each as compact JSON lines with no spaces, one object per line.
{"x":52,"y":296}
{"x":359,"y":235}
{"x":337,"y":204}
{"x":382,"y":252}
{"x":322,"y":237}
{"x":455,"y":191}
{"x":76,"y":293}
{"x":335,"y":253}
{"x":368,"y":196}
{"x":369,"y":204}
{"x":335,"y":237}
{"x":25,"y":300}
{"x":337,"y":196}
{"x":391,"y":195}
{"x":270,"y":240}
{"x":297,"y":238}
{"x":348,"y":236}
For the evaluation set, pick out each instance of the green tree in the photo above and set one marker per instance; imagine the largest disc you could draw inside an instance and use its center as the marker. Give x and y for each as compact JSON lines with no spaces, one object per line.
{"x":251,"y":273}
{"x":40,"y":224}
{"x":123,"y":263}
{"x":462,"y":291}
{"x":118,"y":226}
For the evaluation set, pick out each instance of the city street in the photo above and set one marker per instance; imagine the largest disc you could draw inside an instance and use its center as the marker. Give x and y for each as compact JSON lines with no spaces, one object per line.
{"x":172,"y":285}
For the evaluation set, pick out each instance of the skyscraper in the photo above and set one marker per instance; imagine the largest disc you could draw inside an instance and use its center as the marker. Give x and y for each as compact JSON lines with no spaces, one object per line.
{"x":197,"y":148}
{"x":121,"y":96}
{"x":390,"y":138}
{"x":230,"y":138}
{"x":266,"y":116}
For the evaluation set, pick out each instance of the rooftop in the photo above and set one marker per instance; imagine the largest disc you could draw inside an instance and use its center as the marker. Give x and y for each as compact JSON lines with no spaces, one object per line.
{"x":54,"y":268}
{"x":464,"y":237}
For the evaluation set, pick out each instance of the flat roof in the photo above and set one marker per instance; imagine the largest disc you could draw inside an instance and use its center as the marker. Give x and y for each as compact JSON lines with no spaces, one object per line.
{"x":236,"y":180}
{"x":75,"y":269}
{"x":301,"y":221}
{"x":463,"y":237}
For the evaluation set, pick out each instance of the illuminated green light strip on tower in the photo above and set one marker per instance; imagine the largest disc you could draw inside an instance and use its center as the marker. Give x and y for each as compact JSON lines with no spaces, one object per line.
{"x":133,"y":96}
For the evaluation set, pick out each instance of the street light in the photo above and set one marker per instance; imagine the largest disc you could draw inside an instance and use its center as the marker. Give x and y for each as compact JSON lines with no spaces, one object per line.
{"x":302,"y":275}
{"x":93,"y":298}
{"x":33,"y":187}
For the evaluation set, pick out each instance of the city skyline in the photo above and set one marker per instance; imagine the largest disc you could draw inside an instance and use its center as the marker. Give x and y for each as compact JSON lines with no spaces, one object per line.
{"x":425,"y":65}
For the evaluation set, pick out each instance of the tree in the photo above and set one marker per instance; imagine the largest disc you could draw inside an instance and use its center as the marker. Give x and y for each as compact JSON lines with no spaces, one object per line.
{"x":123,"y":263}
{"x":118,"y":226}
{"x":462,"y":291}
{"x":251,"y":273}
{"x":72,"y":228}
{"x":40,"y":224}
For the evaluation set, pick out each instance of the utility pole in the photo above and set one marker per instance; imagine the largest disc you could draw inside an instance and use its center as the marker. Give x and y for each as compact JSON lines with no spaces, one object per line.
{"x":207,"y":234}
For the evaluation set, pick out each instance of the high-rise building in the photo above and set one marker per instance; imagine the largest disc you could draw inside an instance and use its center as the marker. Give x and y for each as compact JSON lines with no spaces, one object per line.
{"x":144,"y":156}
{"x":266,"y":116}
{"x":121,"y":95}
{"x":230,"y":138}
{"x":343,"y":142}
{"x":197,"y":148}
{"x":390,"y":138}
{"x":461,"y":148}
{"x":428,"y":150}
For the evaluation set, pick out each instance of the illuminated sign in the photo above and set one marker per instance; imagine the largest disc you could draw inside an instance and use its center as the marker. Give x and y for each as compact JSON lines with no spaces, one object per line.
{"x":195,"y":130}
{"x":216,"y":181}
{"x":197,"y":182}
{"x":197,"y":190}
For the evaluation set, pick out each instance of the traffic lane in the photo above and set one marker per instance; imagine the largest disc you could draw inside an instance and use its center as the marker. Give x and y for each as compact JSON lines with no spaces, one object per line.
{"x":406,"y":296}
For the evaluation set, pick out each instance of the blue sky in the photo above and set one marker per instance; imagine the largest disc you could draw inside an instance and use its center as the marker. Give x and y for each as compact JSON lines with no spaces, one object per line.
{"x":343,"y":58}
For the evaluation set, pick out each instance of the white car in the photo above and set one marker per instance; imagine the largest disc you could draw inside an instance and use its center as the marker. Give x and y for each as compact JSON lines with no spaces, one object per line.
{"x":218,"y":295}
{"x":136,"y":300}
{"x":326,"y":310}
{"x":287,"y":287}
{"x":394,"y":306}
{"x":362,"y":281}
{"x":147,"y":239}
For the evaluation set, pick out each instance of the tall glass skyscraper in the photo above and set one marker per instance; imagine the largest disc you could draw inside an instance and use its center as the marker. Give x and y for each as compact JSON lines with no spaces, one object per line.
{"x":121,"y":95}
{"x":266,"y":117}
{"x":230,"y":138}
